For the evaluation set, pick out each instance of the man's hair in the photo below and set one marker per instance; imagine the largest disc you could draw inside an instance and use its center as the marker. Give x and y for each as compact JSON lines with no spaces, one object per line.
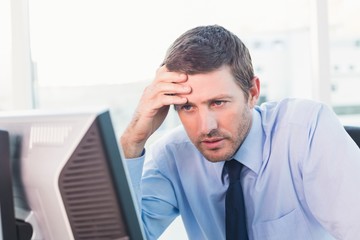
{"x":207,"y":48}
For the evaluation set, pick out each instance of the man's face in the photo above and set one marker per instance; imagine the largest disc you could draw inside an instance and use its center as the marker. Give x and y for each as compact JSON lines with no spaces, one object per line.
{"x":218,"y":116}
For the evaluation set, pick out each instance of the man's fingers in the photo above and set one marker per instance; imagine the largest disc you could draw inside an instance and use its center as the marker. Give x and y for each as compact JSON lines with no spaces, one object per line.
{"x":167,"y":98}
{"x":173,"y":89}
{"x":173,"y":100}
{"x":158,"y":90}
{"x":163,"y":75}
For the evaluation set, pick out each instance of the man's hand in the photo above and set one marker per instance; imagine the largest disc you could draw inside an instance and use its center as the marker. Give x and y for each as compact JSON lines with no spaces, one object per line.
{"x":168,"y":88}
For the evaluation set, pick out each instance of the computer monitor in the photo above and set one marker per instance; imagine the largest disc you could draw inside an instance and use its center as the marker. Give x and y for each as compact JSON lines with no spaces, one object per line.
{"x":69,"y":179}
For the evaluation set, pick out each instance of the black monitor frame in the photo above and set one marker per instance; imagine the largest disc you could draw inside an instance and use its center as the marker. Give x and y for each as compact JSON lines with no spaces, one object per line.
{"x":8,"y":222}
{"x":11,"y":228}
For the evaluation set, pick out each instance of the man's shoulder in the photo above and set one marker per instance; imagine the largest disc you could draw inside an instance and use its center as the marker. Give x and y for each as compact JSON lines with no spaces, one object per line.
{"x":173,"y":137}
{"x":169,"y":149}
{"x":291,"y":110}
{"x":290,"y":104}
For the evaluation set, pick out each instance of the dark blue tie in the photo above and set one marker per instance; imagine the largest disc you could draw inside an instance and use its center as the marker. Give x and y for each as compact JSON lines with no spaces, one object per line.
{"x":234,"y":204}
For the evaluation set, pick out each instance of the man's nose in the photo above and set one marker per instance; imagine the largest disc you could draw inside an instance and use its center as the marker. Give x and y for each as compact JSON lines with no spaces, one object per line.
{"x":208,"y":122}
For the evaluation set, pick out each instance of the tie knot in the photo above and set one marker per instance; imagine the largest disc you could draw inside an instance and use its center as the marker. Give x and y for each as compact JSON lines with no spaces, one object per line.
{"x":233,"y":168}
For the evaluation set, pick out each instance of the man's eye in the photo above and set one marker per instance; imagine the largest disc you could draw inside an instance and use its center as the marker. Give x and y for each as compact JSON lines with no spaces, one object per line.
{"x":186,"y":107}
{"x":217,"y":103}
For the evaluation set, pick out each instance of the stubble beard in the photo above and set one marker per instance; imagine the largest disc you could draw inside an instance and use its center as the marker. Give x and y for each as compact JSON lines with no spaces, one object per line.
{"x":232,"y":143}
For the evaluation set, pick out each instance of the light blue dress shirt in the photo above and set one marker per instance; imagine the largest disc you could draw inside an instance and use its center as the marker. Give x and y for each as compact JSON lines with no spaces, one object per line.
{"x":301,"y":179}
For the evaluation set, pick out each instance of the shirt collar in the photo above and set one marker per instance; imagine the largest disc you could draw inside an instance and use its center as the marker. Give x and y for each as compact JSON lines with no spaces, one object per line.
{"x":251,"y":150}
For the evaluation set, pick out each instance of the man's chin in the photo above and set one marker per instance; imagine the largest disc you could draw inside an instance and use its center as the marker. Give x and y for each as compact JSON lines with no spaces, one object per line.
{"x":216,"y":155}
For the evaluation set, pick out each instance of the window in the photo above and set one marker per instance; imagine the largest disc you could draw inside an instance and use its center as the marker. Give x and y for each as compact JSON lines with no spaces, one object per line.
{"x":105,"y":53}
{"x":345,"y":59}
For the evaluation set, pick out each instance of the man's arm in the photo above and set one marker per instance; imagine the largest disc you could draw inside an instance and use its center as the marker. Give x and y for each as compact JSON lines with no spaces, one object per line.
{"x":331,"y":175}
{"x":168,"y":88}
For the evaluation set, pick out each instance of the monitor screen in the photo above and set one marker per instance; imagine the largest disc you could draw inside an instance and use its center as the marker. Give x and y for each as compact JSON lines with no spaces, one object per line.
{"x":69,"y":179}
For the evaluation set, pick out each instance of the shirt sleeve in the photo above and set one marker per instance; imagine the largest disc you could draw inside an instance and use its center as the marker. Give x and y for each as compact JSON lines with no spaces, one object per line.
{"x":135,"y":168}
{"x":331,"y":175}
{"x":155,"y":195}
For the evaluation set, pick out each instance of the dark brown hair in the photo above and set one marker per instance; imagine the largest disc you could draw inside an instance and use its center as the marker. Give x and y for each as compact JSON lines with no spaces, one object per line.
{"x":206,"y":48}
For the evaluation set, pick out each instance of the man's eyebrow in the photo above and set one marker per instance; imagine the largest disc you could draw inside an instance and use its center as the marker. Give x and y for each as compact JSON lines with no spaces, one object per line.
{"x":211,"y":99}
{"x":224,"y":95}
{"x":218,"y":97}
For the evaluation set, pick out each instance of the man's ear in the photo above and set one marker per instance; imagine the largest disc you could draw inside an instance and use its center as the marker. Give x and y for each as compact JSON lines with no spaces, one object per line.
{"x":254,"y":92}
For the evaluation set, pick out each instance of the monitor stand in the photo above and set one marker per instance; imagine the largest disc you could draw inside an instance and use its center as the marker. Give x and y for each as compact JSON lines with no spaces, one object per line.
{"x":10,"y":227}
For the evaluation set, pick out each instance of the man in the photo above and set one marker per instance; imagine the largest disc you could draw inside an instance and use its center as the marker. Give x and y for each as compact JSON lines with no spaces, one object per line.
{"x":300,"y":170}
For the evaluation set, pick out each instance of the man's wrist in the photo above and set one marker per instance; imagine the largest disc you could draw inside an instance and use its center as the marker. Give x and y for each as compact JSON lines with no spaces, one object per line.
{"x":131,"y":149}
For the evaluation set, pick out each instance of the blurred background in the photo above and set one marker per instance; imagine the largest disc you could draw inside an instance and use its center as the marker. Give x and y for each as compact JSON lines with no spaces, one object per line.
{"x":81,"y":53}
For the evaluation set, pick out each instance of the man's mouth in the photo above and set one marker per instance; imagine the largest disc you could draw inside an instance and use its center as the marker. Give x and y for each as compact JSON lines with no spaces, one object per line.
{"x":212,"y":143}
